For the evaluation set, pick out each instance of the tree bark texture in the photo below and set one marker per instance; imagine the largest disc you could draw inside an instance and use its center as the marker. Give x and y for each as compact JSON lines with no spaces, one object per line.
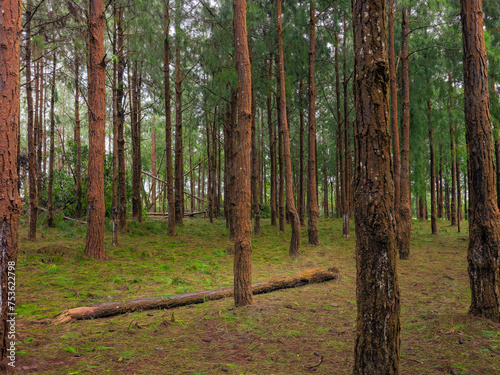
{"x":434,"y":228}
{"x":484,"y":220}
{"x":312,"y":276}
{"x":272,"y":148}
{"x":122,"y":188}
{"x":290,"y":204}
{"x":50,"y":187}
{"x":168,"y":124}
{"x":377,"y":348}
{"x":301,"y":201}
{"x":255,"y":173}
{"x":10,"y":202}
{"x":179,"y":150}
{"x":312,"y":178}
{"x":41,"y":125}
{"x":136,"y":143}
{"x":242,"y":193}
{"x":114,"y":205}
{"x":405,"y":214}
{"x":33,"y":204}
{"x":94,"y":246}
{"x":281,"y":182}
{"x":153,"y":171}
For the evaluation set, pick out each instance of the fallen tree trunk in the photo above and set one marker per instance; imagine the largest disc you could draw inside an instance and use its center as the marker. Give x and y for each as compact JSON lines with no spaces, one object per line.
{"x":106,"y":309}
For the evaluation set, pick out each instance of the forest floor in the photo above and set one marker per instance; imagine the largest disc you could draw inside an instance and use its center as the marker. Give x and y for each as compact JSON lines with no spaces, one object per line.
{"x":304,"y":330}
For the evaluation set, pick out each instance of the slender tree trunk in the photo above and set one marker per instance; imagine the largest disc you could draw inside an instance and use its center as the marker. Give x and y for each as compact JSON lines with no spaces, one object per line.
{"x":40,"y":145}
{"x":440,"y":213}
{"x":301,"y":203}
{"x":50,"y":188}
{"x":10,"y":202}
{"x":255,"y":172}
{"x":169,"y":174}
{"x":290,"y":204}
{"x":405,"y":214}
{"x":122,"y":188}
{"x":136,"y":145}
{"x":94,"y":246}
{"x":484,"y":221}
{"x":77,"y":138}
{"x":153,"y":171}
{"x":33,"y":204}
{"x":114,"y":208}
{"x":272,"y":147}
{"x":377,"y":347}
{"x":434,"y":228}
{"x":347,"y":154}
{"x":281,"y":187}
{"x":325,"y":187}
{"x":210,"y":176}
{"x":453,"y":207}
{"x":394,"y":110}
{"x":179,"y":150}
{"x":232,"y":134}
{"x":242,"y":223}
{"x":339,"y":191}
{"x":312,"y":198}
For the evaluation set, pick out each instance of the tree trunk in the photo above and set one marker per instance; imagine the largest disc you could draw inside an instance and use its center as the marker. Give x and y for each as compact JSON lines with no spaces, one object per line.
{"x":94,"y":246}
{"x":33,"y":204}
{"x":210,"y":177}
{"x":325,"y":187}
{"x":440,"y":213}
{"x":231,"y":167}
{"x":169,"y":174}
{"x":255,"y":172}
{"x":114,"y":207}
{"x":290,"y":204}
{"x":339,"y":152}
{"x":242,"y":209}
{"x":281,"y":186}
{"x":453,"y":207}
{"x":179,"y":150}
{"x":484,"y":221}
{"x":405,"y":214}
{"x":301,"y":202}
{"x":122,"y":188}
{"x":434,"y":228}
{"x":107,"y":309}
{"x":272,"y":147}
{"x":50,"y":188}
{"x":136,"y":144}
{"x":312,"y":198}
{"x":153,"y":171}
{"x":394,"y":110}
{"x":10,"y":202}
{"x":377,"y":347}
{"x":40,"y":145}
{"x":347,"y":154}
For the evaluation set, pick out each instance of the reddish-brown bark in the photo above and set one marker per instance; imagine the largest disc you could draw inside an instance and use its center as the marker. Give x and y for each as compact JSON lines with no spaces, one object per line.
{"x":434,"y":228}
{"x":312,"y":178}
{"x":377,"y":347}
{"x":10,"y":203}
{"x":484,"y":220}
{"x":242,"y":210}
{"x":169,"y":173}
{"x":405,"y":214}
{"x":50,"y":186}
{"x":94,"y":246}
{"x":290,"y":203}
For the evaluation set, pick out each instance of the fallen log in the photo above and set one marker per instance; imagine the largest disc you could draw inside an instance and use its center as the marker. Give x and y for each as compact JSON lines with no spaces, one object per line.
{"x":106,"y":309}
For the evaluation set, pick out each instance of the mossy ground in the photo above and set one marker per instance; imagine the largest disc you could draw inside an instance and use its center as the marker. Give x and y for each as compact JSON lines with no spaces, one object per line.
{"x":294,"y":331}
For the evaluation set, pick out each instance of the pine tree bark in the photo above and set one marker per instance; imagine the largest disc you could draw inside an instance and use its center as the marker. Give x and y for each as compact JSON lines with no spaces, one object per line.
{"x":136,"y":144}
{"x":242,"y":223}
{"x":32,"y":163}
{"x":10,"y":202}
{"x":169,"y":173}
{"x":453,"y":207}
{"x":301,"y":202}
{"x":312,"y":198}
{"x":405,"y":214}
{"x":394,"y":110}
{"x":122,"y":188}
{"x":255,"y":171}
{"x":440,"y":213}
{"x":434,"y":228}
{"x":339,"y":152}
{"x":484,"y":221}
{"x":290,"y":204}
{"x":50,"y":187}
{"x":325,"y":187}
{"x":153,"y":171}
{"x":94,"y":246}
{"x":272,"y":147}
{"x":232,"y":130}
{"x":179,"y":154}
{"x":114,"y":205}
{"x":41,"y":126}
{"x":281,"y":185}
{"x":346,"y":215}
{"x":377,"y":347}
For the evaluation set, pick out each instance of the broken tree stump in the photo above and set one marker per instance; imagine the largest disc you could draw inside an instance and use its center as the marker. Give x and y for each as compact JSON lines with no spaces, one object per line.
{"x":106,"y":309}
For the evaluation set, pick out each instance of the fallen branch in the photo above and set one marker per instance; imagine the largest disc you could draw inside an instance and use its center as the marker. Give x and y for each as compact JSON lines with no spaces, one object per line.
{"x":102,"y":310}
{"x":67,"y":218}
